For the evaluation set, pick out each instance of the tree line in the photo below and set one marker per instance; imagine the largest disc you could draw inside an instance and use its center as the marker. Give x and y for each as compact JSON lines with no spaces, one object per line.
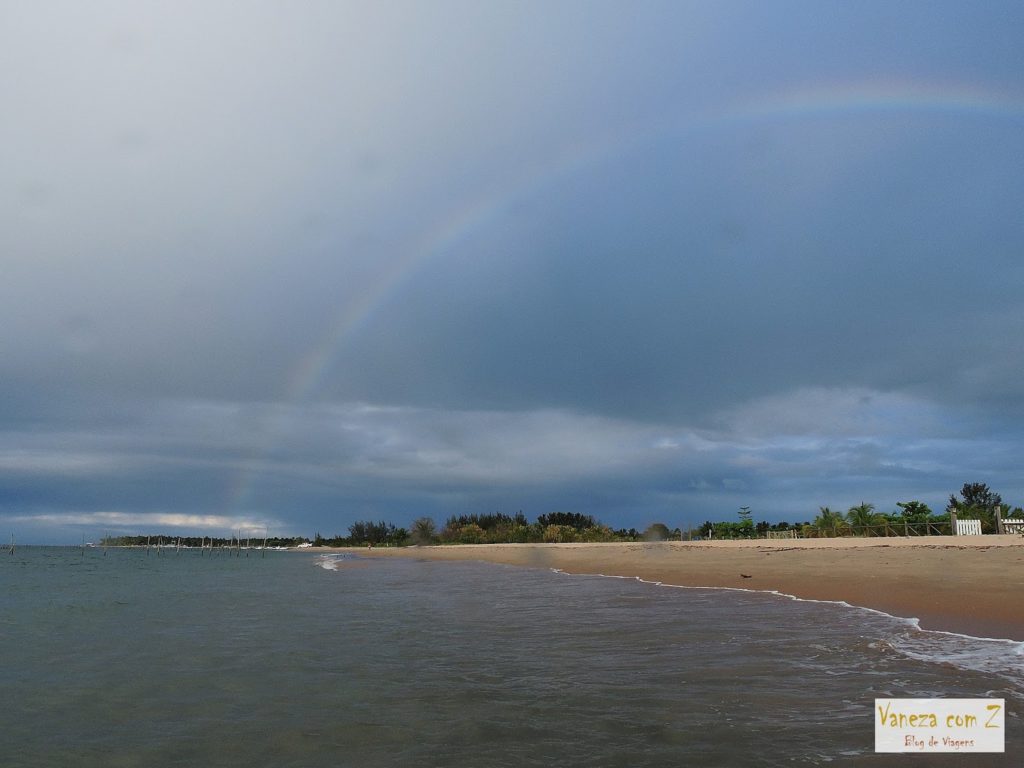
{"x":488,"y":528}
{"x":549,"y":528}
{"x":975,"y":501}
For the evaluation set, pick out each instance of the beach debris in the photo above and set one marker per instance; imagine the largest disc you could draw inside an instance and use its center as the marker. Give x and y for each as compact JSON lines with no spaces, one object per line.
{"x":746,"y":576}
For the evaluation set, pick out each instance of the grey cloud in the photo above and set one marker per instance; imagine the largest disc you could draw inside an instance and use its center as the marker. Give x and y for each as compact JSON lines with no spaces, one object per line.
{"x":321,"y":261}
{"x":337,"y":462}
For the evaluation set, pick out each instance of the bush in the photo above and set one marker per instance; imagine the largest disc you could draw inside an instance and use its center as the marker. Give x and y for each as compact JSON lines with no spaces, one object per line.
{"x":472,"y":534}
{"x":597,"y":533}
{"x":423,"y":531}
{"x":559,"y":534}
{"x":571,"y":519}
{"x":519,"y":534}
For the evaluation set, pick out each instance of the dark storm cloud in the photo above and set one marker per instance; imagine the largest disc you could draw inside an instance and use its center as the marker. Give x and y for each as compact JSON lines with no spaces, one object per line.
{"x":295,"y":265}
{"x":676,"y":279}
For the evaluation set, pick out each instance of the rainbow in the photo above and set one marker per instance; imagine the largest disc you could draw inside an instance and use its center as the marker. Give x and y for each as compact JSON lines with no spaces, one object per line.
{"x":460,"y":224}
{"x":881,"y":97}
{"x":475,"y":214}
{"x":812,"y":101}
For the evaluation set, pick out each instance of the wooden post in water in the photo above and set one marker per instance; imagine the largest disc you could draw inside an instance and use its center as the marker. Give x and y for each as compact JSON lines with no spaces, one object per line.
{"x":147,"y":546}
{"x":12,"y":543}
{"x":264,"y":552}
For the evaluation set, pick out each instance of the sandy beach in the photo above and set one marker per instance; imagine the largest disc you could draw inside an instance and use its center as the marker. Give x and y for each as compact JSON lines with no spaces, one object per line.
{"x":971,"y":585}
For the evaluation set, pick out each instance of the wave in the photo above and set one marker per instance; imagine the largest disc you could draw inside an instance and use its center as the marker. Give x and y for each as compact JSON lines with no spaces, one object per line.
{"x":989,"y":655}
{"x":332,"y":561}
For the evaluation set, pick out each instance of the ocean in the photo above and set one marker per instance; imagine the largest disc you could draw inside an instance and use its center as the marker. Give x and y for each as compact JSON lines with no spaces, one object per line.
{"x":123,"y":658}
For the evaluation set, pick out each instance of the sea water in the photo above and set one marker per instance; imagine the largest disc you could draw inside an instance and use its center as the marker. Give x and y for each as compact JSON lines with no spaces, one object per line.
{"x":128,"y":658}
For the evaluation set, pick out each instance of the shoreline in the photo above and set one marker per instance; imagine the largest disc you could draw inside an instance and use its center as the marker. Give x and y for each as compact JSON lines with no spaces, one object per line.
{"x":967,"y":585}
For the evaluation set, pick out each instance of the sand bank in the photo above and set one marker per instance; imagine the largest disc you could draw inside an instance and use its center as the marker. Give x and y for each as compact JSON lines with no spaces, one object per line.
{"x":973,"y":585}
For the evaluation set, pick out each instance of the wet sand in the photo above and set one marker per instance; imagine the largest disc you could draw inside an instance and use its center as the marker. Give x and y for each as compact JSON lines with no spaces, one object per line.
{"x":972,"y":585}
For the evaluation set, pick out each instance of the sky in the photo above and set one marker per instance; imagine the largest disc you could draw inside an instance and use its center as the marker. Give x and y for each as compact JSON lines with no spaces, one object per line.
{"x":286,"y":266}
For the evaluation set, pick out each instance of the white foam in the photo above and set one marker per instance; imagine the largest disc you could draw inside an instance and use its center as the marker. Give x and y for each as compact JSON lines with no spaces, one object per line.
{"x":1004,"y":658}
{"x":990,"y":655}
{"x":330,"y":562}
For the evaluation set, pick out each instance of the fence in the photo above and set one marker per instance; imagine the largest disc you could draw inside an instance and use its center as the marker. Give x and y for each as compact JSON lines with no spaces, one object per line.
{"x":941,"y":528}
{"x":963,"y":527}
{"x":1013,"y":525}
{"x":968,"y":527}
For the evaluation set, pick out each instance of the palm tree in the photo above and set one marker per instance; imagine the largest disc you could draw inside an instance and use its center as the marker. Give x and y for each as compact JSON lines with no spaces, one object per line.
{"x":423,"y":531}
{"x":862,"y":516}
{"x":829,"y":521}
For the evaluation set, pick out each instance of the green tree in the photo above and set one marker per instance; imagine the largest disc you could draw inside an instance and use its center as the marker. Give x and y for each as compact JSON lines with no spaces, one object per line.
{"x":1005,"y":511}
{"x":746,"y":522}
{"x":829,"y":521}
{"x":559,"y":534}
{"x":369,"y":532}
{"x":397,"y":537}
{"x":914,"y":511}
{"x":472,"y":534}
{"x":423,"y":530}
{"x":575,"y":519}
{"x":977,"y":495}
{"x":977,"y":502}
{"x":498,"y":526}
{"x":597,"y":533}
{"x":861,"y":517}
